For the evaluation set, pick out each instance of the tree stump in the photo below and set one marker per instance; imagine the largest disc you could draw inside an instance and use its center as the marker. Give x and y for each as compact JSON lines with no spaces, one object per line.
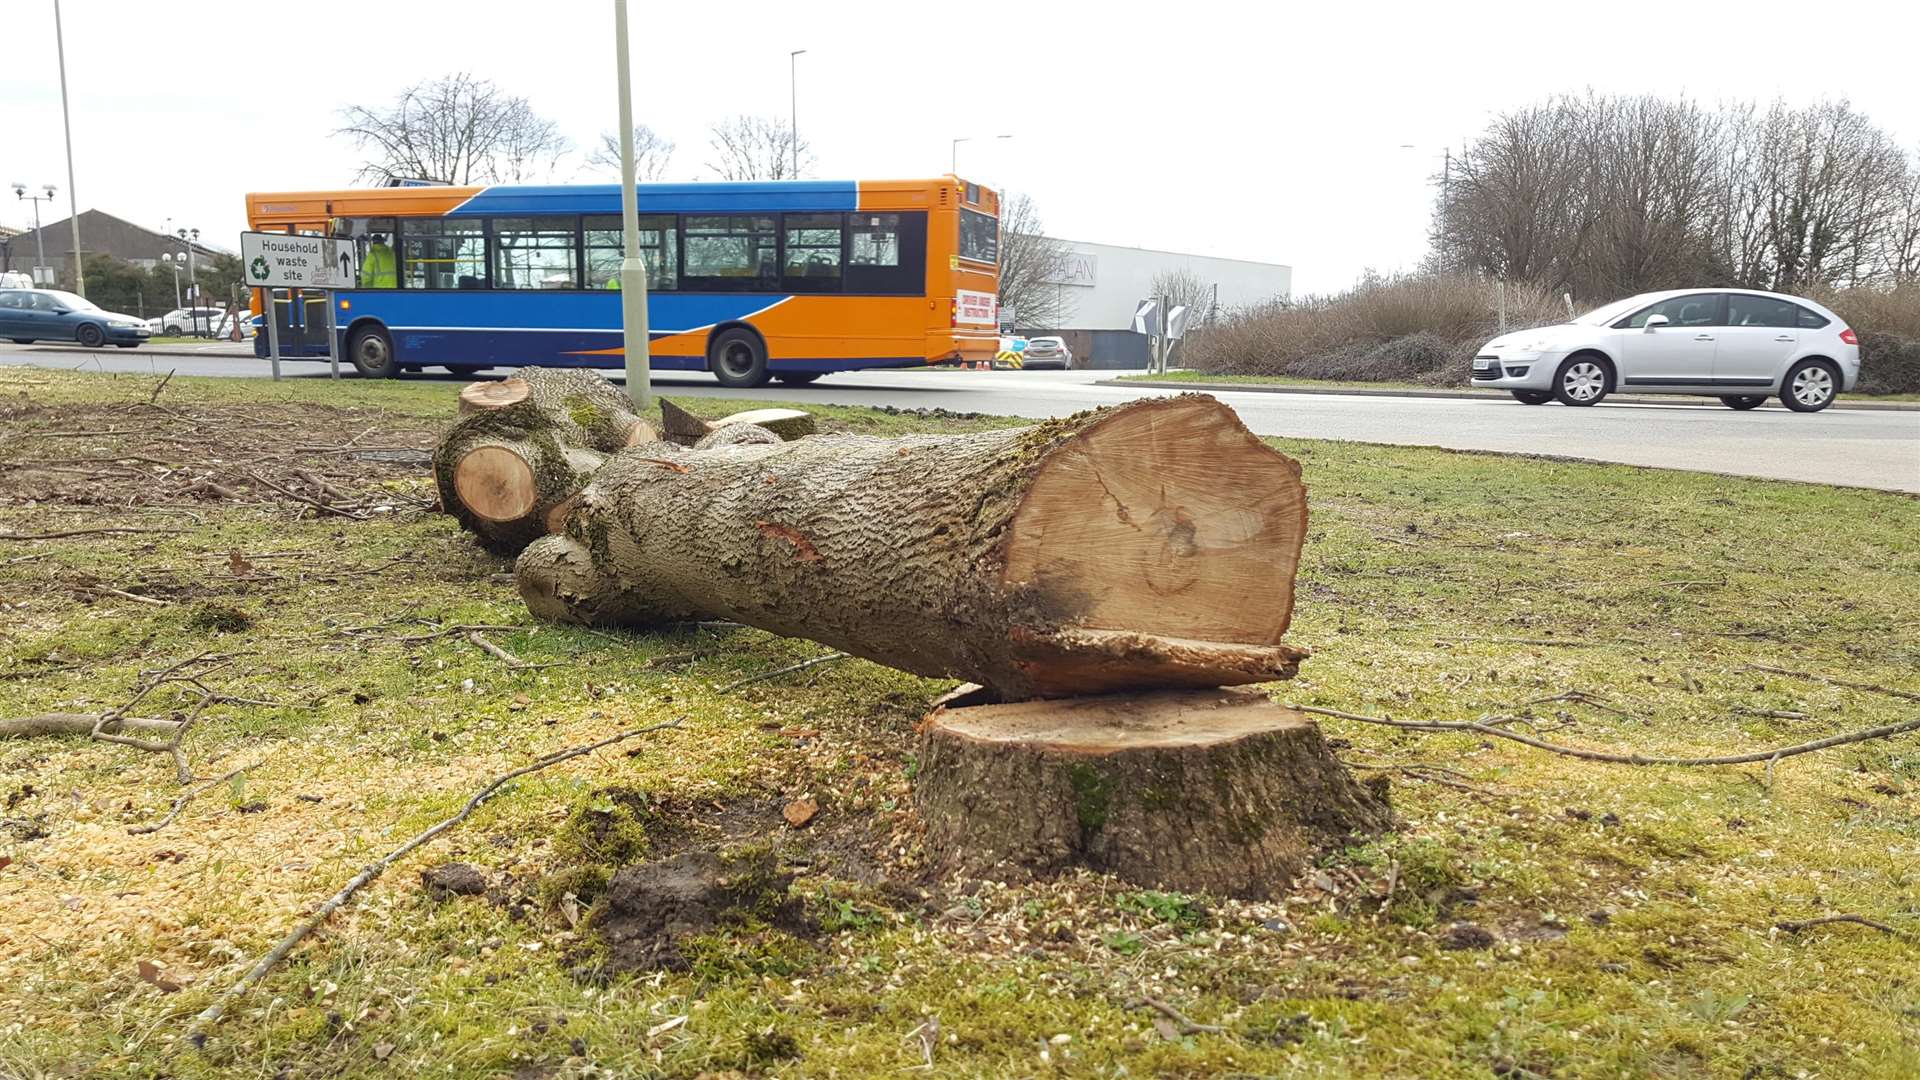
{"x":1220,"y":791}
{"x":1148,"y":545}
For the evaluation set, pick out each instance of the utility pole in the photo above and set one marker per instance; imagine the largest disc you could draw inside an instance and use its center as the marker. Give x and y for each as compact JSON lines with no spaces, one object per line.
{"x":66,"y":121}
{"x":793,"y":107}
{"x":633,"y":272}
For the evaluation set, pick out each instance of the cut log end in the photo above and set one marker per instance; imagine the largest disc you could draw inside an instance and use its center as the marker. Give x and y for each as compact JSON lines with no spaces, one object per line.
{"x":1073,"y":662}
{"x":641,"y":433}
{"x":1219,"y":791}
{"x":495,"y":484}
{"x":494,"y":394}
{"x":1167,"y":519}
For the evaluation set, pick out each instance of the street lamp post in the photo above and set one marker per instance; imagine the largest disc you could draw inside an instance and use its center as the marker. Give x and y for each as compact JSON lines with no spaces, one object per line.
{"x":187,"y":239}
{"x":633,"y":272}
{"x":953,"y":165}
{"x":66,"y":122}
{"x":793,"y":106}
{"x":39,"y":243}
{"x":174,"y":265}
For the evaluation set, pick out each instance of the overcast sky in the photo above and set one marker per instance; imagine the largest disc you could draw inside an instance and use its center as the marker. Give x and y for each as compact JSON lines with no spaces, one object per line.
{"x":1251,"y":130}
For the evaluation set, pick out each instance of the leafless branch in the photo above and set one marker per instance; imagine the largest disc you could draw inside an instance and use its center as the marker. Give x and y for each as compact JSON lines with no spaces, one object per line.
{"x":777,"y":672}
{"x":197,"y":1031}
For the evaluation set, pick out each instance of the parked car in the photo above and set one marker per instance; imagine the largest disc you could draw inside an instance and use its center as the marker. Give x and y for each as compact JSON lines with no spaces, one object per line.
{"x":184,"y":321}
{"x":1739,"y":345}
{"x":30,"y":315}
{"x":1048,"y":352}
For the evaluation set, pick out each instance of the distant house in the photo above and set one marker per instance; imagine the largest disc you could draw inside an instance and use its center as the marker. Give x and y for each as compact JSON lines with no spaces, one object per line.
{"x":100,"y":234}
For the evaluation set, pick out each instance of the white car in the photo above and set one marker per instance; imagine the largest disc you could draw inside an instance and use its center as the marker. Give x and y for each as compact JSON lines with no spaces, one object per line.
{"x":1046,"y":352}
{"x":1739,"y":345}
{"x":183,"y":322}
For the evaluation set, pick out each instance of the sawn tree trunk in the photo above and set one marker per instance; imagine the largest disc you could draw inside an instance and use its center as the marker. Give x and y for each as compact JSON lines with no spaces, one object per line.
{"x":1148,"y":545}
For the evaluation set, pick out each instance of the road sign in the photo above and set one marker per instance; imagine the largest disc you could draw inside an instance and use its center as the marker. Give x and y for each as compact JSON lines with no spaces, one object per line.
{"x":1176,"y":323}
{"x":279,"y":261}
{"x":1146,"y":318}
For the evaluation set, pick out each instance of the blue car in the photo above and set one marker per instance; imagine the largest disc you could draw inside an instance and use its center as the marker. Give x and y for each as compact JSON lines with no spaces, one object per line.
{"x":30,"y":315}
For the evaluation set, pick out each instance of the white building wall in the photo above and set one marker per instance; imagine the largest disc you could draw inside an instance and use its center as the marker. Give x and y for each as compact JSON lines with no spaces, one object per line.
{"x":1102,"y":284}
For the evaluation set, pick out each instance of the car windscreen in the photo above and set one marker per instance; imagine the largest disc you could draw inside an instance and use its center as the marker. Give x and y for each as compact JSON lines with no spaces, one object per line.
{"x":1601,"y":316}
{"x":71,"y":300}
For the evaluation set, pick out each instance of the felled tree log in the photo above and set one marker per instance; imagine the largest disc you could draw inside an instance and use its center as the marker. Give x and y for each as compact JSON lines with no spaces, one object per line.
{"x":677,"y":425}
{"x":1148,"y":545}
{"x":1217,"y":791}
{"x":525,"y":446}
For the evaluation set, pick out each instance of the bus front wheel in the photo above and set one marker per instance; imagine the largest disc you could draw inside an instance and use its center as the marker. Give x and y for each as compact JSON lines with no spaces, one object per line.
{"x":372,"y":353}
{"x":737,"y":359}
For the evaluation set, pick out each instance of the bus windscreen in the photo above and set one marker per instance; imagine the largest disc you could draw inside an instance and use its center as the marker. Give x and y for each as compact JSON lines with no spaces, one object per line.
{"x":979,"y":237}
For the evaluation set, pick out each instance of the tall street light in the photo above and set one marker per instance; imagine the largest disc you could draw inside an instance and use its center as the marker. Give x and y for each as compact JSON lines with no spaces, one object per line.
{"x":953,"y":166}
{"x":66,"y":121}
{"x":39,"y":244}
{"x":633,"y":272}
{"x":793,"y":105}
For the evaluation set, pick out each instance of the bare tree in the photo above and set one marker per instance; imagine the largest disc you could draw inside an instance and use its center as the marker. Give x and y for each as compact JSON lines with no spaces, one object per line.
{"x":458,"y":129}
{"x":1030,"y":266}
{"x":652,"y":153}
{"x":757,"y":148}
{"x":1180,"y":287}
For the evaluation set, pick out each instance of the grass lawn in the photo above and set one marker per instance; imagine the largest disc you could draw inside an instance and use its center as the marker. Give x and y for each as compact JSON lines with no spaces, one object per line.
{"x":1532,"y":915}
{"x":1203,"y":378}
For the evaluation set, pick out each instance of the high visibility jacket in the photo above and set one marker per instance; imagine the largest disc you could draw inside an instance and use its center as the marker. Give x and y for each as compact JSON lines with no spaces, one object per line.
{"x":612,"y":283}
{"x":377,"y":269}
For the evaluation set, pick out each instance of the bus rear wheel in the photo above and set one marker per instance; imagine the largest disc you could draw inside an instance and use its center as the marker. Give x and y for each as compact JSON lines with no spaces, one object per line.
{"x":736,"y":358}
{"x":371,"y":351}
{"x":798,"y":378}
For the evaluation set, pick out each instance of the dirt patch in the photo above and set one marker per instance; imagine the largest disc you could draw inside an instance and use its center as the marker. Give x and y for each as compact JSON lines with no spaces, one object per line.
{"x":655,"y":911}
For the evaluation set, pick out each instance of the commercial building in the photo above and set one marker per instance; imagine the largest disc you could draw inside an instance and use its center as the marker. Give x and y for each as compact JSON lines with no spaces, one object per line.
{"x":1100,"y":285}
{"x":100,"y":234}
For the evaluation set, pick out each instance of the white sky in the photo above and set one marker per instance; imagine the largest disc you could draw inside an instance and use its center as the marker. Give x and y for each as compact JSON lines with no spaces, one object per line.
{"x":1252,"y":130}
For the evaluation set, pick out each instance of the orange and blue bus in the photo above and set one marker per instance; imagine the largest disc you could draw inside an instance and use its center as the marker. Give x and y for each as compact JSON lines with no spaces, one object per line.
{"x":788,"y":280}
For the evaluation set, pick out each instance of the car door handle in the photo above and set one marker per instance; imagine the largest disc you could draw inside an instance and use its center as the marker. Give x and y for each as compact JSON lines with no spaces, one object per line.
{"x":1784,"y":337}
{"x":1703,"y":337}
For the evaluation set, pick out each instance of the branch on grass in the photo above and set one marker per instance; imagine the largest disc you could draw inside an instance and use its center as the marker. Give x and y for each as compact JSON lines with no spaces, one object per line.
{"x":1795,"y":926}
{"x":1907,"y":695}
{"x":69,"y":533}
{"x":180,"y":803}
{"x":1485,"y":727}
{"x":315,"y":503}
{"x":503,"y":655}
{"x":197,"y":1032}
{"x":1187,"y":1026}
{"x":777,"y":672}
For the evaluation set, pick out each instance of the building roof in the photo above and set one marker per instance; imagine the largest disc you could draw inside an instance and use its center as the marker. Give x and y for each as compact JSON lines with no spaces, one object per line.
{"x":103,"y":234}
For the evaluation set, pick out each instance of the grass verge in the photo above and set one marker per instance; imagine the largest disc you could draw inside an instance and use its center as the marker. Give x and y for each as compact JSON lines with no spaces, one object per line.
{"x":1532,"y":915}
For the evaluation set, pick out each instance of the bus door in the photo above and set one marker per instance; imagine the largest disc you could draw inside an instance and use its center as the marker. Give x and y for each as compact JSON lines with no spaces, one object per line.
{"x":302,"y":318}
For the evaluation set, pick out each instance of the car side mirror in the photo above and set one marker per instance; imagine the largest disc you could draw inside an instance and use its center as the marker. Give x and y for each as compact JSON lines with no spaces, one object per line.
{"x":1655,"y":321}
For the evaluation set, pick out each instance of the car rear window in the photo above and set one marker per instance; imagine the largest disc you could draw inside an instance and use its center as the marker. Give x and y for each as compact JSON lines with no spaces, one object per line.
{"x":1812,"y":320}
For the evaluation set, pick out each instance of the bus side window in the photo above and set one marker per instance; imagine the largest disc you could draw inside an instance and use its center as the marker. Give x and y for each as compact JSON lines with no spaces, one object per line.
{"x":886,"y":253}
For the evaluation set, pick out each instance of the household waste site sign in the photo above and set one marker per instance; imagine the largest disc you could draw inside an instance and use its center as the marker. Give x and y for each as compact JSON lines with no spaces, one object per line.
{"x":280,"y":261}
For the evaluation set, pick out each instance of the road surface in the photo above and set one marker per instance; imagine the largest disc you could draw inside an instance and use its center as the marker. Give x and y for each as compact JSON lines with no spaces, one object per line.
{"x":1861,"y":448}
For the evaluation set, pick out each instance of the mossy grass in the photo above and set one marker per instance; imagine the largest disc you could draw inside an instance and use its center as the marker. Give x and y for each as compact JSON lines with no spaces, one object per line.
{"x":1631,"y":911}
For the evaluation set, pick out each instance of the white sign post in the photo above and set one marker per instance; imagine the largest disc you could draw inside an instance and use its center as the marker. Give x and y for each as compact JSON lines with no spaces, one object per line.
{"x":281,"y":261}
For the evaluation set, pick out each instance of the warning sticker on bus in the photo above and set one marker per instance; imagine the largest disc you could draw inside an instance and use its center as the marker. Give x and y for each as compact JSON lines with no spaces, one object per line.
{"x":975,"y":308}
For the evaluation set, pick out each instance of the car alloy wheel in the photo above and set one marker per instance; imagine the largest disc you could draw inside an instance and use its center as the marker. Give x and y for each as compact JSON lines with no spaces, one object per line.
{"x":1583,"y":383}
{"x":1813,"y":387}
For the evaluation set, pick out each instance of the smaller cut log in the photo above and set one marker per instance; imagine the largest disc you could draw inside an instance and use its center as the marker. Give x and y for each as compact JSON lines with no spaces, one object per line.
{"x":526,"y":446}
{"x":682,"y":427}
{"x":1220,"y":791}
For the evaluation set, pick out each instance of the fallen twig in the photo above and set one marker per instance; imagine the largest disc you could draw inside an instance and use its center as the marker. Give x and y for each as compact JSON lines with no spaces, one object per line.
{"x":103,"y":590}
{"x":1551,"y":642}
{"x":316,"y":503}
{"x":1483,"y":727}
{"x":777,"y":672}
{"x":26,"y":727}
{"x":503,"y":655}
{"x":458,"y":628}
{"x":68,"y":533}
{"x":1908,"y":695}
{"x":1187,"y":1026}
{"x":181,"y":802}
{"x":155,"y":396}
{"x":212,"y":1013}
{"x":1795,"y":926}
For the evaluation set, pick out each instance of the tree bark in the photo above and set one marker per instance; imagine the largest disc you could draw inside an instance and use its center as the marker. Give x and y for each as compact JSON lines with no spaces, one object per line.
{"x":1217,"y":791}
{"x":1148,"y":545}
{"x":525,"y":446}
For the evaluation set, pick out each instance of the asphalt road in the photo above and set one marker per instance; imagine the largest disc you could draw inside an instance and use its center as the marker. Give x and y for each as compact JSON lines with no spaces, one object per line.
{"x":1861,"y":448}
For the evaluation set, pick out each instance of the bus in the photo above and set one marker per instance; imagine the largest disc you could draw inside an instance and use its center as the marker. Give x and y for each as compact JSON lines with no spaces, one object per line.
{"x":752,"y":281}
